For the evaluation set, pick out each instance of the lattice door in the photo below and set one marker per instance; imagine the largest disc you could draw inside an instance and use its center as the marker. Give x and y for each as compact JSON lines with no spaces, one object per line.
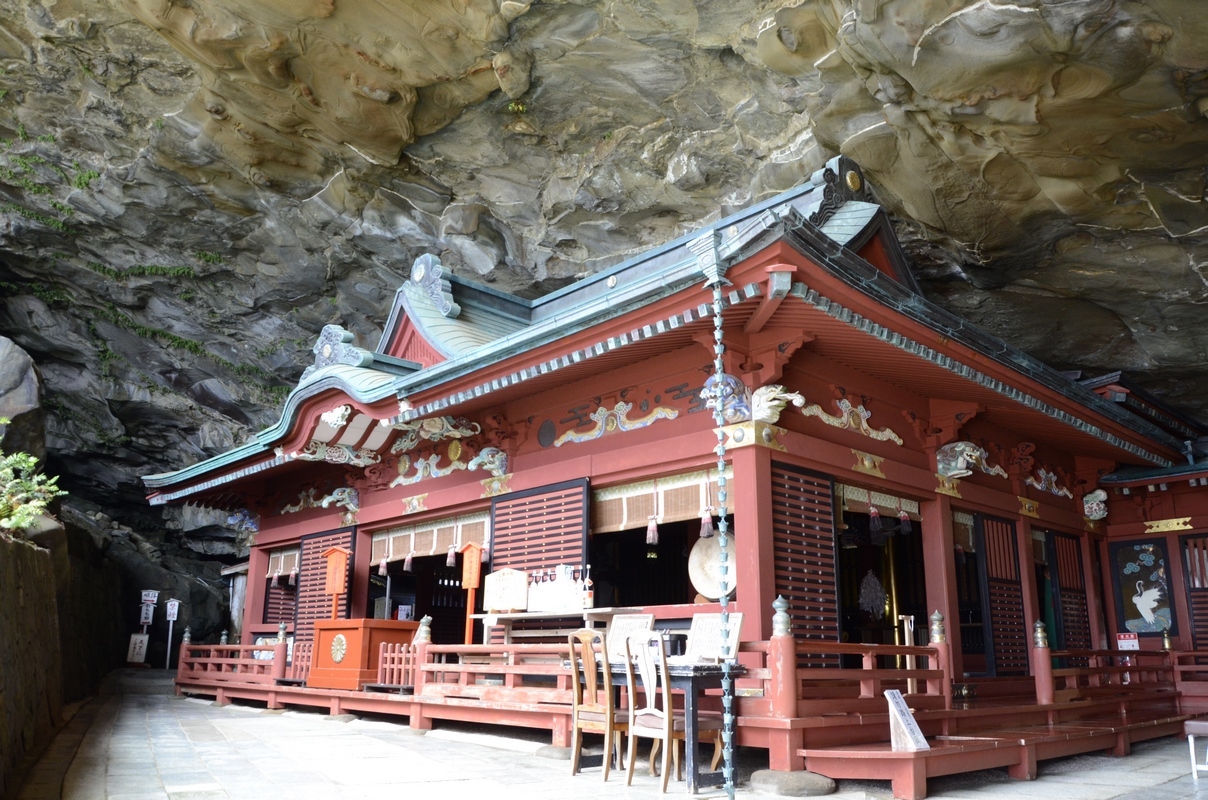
{"x":313,"y":604}
{"x":1069,"y":587}
{"x":803,"y":535}
{"x":1002,"y":596}
{"x":1195,"y":557}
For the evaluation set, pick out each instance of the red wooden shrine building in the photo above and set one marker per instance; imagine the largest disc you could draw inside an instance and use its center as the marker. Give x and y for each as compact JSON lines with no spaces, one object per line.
{"x":886,"y":460}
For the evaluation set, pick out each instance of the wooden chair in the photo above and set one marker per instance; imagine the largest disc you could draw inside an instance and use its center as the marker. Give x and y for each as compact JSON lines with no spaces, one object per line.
{"x":592,"y":698}
{"x":656,"y":718}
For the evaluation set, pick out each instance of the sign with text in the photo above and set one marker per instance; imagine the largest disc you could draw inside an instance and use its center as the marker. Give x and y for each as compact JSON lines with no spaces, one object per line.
{"x":150,"y":596}
{"x":1128,"y":641}
{"x":147,"y":615}
{"x":471,"y":565}
{"x":136,"y":653}
{"x":505,"y":590}
{"x":173,"y":610}
{"x":904,"y":732}
{"x":337,"y":570}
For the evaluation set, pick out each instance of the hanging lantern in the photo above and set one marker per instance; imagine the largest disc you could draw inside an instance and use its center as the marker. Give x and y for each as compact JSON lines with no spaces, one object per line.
{"x":293,"y":577}
{"x":451,"y":560}
{"x":907,"y":526}
{"x":382,"y":567}
{"x":874,"y":518}
{"x":706,"y":523}
{"x":276,"y":578}
{"x":407,"y":561}
{"x":652,"y":530}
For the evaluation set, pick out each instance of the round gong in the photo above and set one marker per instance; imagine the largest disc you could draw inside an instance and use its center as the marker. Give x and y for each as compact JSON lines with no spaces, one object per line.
{"x":704,"y":567}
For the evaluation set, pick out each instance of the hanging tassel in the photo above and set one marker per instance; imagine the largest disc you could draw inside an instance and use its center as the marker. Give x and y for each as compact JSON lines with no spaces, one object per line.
{"x":293,"y":577}
{"x":652,"y":530}
{"x":407,"y":561}
{"x":874,"y":519}
{"x":276,"y":578}
{"x":706,"y":523}
{"x":382,"y":567}
{"x":451,"y":561}
{"x":907,"y":525}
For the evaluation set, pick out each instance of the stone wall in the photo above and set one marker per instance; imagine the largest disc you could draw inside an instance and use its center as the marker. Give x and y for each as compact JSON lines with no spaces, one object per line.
{"x":31,"y":695}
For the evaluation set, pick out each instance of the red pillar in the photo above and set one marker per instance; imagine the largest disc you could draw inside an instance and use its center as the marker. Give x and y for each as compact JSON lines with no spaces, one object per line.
{"x":1027,"y":581}
{"x":939,"y":566}
{"x":358,"y":599}
{"x":253,"y":602}
{"x":750,"y":497}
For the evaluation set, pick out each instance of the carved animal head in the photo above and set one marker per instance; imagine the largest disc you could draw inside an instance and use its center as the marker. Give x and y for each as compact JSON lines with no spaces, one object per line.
{"x":491,"y":459}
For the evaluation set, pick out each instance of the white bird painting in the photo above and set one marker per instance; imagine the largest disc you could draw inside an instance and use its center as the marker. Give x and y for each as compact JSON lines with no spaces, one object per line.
{"x":1146,"y":600}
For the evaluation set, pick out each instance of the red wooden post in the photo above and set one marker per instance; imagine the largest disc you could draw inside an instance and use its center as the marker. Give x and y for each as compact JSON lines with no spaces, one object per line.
{"x":1042,"y":665}
{"x":184,"y":661}
{"x":943,"y":654}
{"x":783,"y":744}
{"x":280,"y":656}
{"x":471,"y":576}
{"x":423,"y":637}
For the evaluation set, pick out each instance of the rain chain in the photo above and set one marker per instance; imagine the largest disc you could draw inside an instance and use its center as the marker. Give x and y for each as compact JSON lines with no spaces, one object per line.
{"x":727,"y":680}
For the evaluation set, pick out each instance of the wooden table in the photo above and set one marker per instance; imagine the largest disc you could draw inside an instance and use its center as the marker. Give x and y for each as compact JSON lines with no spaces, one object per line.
{"x":590,"y":617}
{"x":692,"y":680}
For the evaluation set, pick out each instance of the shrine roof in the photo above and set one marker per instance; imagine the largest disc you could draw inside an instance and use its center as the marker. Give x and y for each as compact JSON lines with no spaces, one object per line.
{"x":474,"y":327}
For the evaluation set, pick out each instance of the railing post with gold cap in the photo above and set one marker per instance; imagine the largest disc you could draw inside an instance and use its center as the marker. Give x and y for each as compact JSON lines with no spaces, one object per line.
{"x":783,"y":743}
{"x":1042,"y":665}
{"x":943,"y":654}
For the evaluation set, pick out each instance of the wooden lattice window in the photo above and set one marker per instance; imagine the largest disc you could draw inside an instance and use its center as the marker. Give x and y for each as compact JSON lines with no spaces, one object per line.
{"x":1002,"y":596}
{"x":313,"y":603}
{"x":540,"y":528}
{"x":1195,"y":559}
{"x":803,"y":535}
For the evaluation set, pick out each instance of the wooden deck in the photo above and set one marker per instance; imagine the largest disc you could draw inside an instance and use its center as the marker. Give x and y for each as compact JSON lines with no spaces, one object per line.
{"x":833,"y":721}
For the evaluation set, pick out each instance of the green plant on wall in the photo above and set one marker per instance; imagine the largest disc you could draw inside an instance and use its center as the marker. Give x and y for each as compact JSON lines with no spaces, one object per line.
{"x":24,"y":492}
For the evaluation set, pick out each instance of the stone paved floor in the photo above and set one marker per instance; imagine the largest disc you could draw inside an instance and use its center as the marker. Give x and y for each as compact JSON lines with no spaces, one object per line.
{"x":138,"y":743}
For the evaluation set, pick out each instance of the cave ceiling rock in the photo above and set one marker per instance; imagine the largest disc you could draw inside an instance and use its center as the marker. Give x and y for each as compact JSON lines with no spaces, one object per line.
{"x":981,"y":117}
{"x":287,"y":86}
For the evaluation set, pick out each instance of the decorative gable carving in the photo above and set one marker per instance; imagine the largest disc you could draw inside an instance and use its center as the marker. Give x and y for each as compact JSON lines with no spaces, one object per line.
{"x":428,"y":274}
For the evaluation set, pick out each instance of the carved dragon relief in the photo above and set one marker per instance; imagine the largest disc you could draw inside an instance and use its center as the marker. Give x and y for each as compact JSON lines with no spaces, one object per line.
{"x":611,"y":420}
{"x":332,"y":454}
{"x":1046,"y":481}
{"x":956,"y":460}
{"x":431,"y":429}
{"x":490,"y":459}
{"x":853,"y":418}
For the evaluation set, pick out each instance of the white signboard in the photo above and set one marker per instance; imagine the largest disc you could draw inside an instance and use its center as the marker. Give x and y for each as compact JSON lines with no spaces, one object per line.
{"x":137,"y":652}
{"x":148,"y":614}
{"x":904,"y":732}
{"x":505,"y":590}
{"x":173,"y":610}
{"x":1128,"y":641}
{"x":150,"y":596}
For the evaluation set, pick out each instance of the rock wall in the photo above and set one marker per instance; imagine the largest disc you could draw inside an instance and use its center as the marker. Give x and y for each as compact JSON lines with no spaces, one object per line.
{"x":31,"y":695}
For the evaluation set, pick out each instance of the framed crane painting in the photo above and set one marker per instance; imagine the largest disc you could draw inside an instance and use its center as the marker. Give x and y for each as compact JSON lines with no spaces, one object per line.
{"x":1139,"y":574}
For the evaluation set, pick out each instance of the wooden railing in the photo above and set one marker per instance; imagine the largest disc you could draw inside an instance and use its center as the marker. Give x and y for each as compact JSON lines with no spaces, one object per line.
{"x":299,"y":663}
{"x":1106,"y":673}
{"x":235,"y":663}
{"x":522,"y":674}
{"x":778,"y":695}
{"x":397,"y":664}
